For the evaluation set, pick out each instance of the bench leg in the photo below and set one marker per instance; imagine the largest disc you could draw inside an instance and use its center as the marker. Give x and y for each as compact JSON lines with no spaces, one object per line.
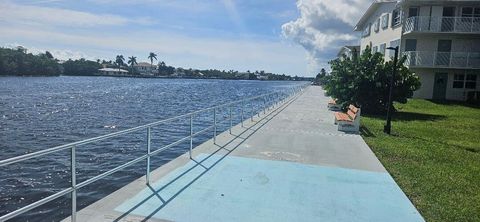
{"x":345,"y":127}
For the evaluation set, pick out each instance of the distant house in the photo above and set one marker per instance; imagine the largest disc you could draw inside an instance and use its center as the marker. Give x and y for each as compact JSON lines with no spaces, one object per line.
{"x":349,"y":51}
{"x":112,"y":71}
{"x":145,"y":68}
{"x":242,"y":75}
{"x":262,"y":77}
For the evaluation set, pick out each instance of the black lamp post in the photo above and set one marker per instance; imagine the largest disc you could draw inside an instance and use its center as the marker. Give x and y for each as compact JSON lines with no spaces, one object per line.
{"x":387,"y":128}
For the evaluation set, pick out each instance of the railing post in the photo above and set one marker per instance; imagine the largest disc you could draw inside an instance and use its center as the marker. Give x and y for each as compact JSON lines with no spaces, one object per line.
{"x":471,"y":24}
{"x":417,"y":58}
{"x":149,"y":138}
{"x":214,"y":125}
{"x":450,"y":57}
{"x":243,"y":105}
{"x":468,"y":60}
{"x":278,"y":98}
{"x":74,"y":184}
{"x":264,"y":105}
{"x":252,"y":113}
{"x":231,"y":123}
{"x":191,"y":136}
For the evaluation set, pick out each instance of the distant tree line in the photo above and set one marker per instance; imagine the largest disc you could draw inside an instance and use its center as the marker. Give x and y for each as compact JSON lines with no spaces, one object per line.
{"x":20,"y":63}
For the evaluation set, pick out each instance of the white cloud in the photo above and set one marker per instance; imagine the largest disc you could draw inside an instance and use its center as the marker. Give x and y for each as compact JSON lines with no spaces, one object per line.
{"x":323,"y":26}
{"x":47,"y":16}
{"x":62,"y":54}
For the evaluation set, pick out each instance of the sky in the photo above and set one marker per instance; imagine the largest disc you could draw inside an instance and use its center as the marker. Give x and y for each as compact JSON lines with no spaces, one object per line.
{"x":280,"y":36}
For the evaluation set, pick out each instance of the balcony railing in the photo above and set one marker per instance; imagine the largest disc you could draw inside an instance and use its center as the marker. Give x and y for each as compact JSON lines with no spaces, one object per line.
{"x":442,"y":59}
{"x":442,"y":24}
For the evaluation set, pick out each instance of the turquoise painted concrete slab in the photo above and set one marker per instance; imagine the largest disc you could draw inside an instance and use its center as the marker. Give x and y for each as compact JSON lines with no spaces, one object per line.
{"x":245,"y":189}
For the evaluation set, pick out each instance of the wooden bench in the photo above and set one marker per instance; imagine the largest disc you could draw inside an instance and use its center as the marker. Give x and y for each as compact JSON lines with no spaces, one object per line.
{"x":332,"y":105}
{"x":350,"y":121}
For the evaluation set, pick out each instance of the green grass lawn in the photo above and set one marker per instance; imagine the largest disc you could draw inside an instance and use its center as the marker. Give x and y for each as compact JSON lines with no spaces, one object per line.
{"x":434,"y":156}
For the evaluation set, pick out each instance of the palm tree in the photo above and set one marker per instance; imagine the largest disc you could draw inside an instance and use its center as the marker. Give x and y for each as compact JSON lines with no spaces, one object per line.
{"x":120,"y":61}
{"x":132,"y":61}
{"x":151,"y":57}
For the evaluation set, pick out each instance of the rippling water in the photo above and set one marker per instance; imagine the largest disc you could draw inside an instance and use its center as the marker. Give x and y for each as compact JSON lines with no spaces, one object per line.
{"x":41,"y":112}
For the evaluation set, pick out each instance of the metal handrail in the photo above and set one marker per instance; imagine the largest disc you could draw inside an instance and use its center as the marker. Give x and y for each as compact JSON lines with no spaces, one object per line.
{"x":279,"y":97}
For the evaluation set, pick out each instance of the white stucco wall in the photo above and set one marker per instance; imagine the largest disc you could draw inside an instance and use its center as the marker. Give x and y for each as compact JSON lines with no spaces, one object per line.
{"x":383,"y":35}
{"x":427,"y":76}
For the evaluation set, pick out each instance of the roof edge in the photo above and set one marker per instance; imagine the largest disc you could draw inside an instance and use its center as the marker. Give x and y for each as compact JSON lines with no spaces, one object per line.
{"x":369,"y":11}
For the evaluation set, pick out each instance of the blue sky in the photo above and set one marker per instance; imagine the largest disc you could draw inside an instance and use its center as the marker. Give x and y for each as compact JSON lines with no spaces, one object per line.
{"x":272,"y":35}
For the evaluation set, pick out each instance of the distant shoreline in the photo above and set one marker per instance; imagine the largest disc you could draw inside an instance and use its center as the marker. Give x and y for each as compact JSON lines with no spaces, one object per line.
{"x":151,"y":77}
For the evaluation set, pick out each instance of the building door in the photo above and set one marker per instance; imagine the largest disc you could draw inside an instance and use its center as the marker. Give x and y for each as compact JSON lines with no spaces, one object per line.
{"x":410,"y":49}
{"x":448,"y":19}
{"x":440,"y":86}
{"x":444,"y":52}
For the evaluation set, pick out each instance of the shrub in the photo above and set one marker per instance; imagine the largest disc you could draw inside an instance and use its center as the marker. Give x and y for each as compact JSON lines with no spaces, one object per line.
{"x":364,"y":82}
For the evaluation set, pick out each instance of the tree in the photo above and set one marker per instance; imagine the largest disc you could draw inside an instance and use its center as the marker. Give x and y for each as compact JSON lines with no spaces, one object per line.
{"x":321,"y":78}
{"x":132,"y":61}
{"x":80,"y":67}
{"x":120,"y":60}
{"x":363,"y":81}
{"x":49,"y":55}
{"x":165,"y":70}
{"x":18,"y":63}
{"x":151,"y":57}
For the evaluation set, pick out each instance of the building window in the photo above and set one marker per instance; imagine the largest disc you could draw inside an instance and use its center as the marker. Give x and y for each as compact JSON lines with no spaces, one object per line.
{"x":471,"y":12}
{"x":471,"y":81}
{"x":467,"y":81}
{"x":385,"y":21}
{"x":366,"y":32}
{"x":375,"y":49}
{"x":382,"y":48}
{"x":393,"y":44}
{"x":458,"y":81}
{"x":396,"y":17}
{"x":376,"y":25}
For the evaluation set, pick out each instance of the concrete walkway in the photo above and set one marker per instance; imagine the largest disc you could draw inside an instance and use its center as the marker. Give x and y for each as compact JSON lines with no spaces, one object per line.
{"x":288,"y":165}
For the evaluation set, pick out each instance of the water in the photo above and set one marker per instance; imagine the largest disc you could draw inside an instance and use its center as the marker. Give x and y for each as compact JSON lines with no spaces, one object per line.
{"x":42,"y":112}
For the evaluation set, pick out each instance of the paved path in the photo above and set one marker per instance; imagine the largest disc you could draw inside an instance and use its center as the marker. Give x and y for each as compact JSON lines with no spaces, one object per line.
{"x":288,"y":165}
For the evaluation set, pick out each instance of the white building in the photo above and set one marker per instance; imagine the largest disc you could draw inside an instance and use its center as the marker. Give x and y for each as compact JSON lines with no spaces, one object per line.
{"x":440,"y":39}
{"x":145,"y":68}
{"x":112,"y":71}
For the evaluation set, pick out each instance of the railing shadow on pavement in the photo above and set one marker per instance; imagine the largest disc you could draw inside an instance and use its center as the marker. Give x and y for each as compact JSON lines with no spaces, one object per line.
{"x":250,"y":130}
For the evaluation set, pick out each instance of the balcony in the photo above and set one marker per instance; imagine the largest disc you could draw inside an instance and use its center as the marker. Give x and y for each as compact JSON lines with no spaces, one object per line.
{"x":442,"y":24}
{"x":456,"y":60}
